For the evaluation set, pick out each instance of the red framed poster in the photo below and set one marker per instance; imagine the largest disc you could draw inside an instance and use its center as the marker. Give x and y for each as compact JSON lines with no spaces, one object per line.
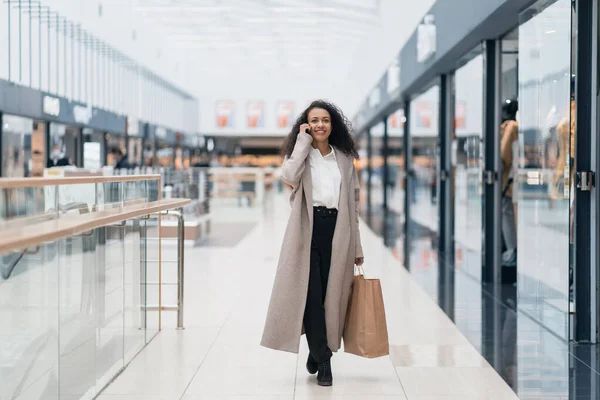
{"x":285,"y":114}
{"x":255,"y":114}
{"x":225,"y":110}
{"x":424,"y":113}
{"x":460,"y":115}
{"x":396,"y":120}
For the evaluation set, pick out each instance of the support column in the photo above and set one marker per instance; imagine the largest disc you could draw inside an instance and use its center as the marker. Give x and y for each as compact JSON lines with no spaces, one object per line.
{"x":408,"y":182}
{"x":491,"y":251}
{"x":445,"y":204}
{"x":446,"y":125}
{"x":584,"y":288}
{"x":386,"y":172}
{"x":1,"y":145}
{"x":369,"y":170}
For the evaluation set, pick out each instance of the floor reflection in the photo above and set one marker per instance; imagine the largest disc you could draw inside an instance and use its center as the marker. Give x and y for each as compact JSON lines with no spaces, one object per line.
{"x":533,"y":360}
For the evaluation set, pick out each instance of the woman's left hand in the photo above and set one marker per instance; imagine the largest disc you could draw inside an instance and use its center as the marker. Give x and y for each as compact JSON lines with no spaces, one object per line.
{"x":359,"y":261}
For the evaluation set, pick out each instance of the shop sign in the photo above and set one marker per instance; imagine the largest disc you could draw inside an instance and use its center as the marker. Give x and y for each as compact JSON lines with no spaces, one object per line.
{"x":161,"y":132}
{"x":393,"y":77}
{"x":51,"y":106}
{"x":426,"y":39}
{"x":375,"y":98}
{"x":133,"y":126}
{"x":82,"y":115}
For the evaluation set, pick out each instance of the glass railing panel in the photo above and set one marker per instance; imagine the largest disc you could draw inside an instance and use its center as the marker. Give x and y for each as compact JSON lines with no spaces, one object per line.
{"x":110,"y":299}
{"x":79,"y":311}
{"x":109,"y":194}
{"x":134,"y":288}
{"x":152,"y":278}
{"x":29,"y":362}
{"x":135,"y":192}
{"x":32,"y":202}
{"x":153,"y":189}
{"x":75,"y":199}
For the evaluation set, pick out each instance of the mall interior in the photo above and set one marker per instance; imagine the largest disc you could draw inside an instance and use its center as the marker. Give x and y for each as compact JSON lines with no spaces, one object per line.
{"x":156,"y":130}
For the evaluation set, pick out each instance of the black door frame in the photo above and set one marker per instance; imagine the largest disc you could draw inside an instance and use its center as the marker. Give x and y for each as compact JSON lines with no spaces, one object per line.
{"x":491,"y":249}
{"x":584,"y":326}
{"x":407,"y":182}
{"x":446,"y":264}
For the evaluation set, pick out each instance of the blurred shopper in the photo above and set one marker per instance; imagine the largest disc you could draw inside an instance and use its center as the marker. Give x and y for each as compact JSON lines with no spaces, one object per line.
{"x":312,"y":287}
{"x":57,"y":158}
{"x":122,"y":160}
{"x":508,"y":136}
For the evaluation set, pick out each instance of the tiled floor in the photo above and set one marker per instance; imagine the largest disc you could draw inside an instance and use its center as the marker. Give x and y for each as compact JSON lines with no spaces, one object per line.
{"x":218,"y":355}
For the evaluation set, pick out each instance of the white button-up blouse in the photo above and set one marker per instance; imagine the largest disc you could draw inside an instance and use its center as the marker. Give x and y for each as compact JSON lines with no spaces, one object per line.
{"x":326,"y":179}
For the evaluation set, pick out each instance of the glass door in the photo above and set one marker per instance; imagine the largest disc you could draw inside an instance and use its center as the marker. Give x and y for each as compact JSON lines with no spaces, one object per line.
{"x":424,"y":215}
{"x":467,"y":165}
{"x":546,"y":132}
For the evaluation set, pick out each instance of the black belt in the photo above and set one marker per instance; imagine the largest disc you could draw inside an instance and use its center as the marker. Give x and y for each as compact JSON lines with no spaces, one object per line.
{"x":321,"y":210}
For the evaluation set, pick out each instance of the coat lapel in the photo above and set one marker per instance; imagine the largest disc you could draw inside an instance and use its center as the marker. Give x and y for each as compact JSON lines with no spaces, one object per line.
{"x":307,"y":189}
{"x":343,"y":165}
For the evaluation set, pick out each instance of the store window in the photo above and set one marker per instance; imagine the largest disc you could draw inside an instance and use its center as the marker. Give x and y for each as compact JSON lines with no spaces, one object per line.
{"x":545,"y":189}
{"x":467,"y":166}
{"x":423,"y":191}
{"x":16,"y":146}
{"x":93,"y":149}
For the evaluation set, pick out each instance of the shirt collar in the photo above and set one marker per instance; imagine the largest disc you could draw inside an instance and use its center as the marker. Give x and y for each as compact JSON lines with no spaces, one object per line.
{"x":315,"y":152}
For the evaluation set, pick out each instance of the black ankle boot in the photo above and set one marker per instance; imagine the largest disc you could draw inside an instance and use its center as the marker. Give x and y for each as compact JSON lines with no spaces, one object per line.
{"x":311,"y":365}
{"x":325,"y":377}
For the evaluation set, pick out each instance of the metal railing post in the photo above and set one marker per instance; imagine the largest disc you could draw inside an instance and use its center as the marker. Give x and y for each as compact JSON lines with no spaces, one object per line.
{"x":180,"y":268}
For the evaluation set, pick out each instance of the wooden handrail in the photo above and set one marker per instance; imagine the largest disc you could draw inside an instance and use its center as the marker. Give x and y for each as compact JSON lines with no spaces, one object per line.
{"x":23,"y":237}
{"x":14,"y":183}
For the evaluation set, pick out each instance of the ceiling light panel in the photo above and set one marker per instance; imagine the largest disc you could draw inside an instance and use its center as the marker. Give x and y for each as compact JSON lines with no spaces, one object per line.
{"x":282,"y":36}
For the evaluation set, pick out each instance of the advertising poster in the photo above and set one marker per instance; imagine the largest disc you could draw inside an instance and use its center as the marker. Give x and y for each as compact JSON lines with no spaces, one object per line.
{"x":255,"y":114}
{"x":285,"y":114}
{"x":225,"y":114}
{"x":460,"y":116}
{"x":396,"y":120}
{"x":424,"y":112}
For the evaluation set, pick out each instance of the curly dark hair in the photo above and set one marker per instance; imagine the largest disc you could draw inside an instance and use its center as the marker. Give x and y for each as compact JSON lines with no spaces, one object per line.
{"x":341,"y":130}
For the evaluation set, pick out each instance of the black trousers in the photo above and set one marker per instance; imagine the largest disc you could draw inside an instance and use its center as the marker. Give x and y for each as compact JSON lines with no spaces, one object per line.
{"x":320,"y":260}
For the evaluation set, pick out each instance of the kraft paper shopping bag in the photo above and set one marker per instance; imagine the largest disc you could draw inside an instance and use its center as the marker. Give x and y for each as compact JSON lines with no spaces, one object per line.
{"x":365,"y":332}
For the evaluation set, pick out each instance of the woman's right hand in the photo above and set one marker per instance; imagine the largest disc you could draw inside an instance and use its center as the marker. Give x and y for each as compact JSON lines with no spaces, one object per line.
{"x":305,"y":128}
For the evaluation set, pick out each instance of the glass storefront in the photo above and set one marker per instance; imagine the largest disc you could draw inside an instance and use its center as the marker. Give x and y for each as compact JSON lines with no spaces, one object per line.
{"x":16,"y":146}
{"x":134,"y":152}
{"x":467,"y":191}
{"x":467,"y":166}
{"x":149,"y":153}
{"x":165,"y":155}
{"x":114,"y":142}
{"x":546,"y":137}
{"x":423,"y":190}
{"x":64,"y":145}
{"x":94,"y":152}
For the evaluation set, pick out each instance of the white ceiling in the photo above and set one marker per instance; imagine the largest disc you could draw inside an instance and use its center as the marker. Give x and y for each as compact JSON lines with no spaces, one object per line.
{"x":298,"y":38}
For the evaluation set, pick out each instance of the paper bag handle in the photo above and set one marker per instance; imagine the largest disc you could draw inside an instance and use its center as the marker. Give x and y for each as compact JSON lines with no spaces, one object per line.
{"x":361,"y":271}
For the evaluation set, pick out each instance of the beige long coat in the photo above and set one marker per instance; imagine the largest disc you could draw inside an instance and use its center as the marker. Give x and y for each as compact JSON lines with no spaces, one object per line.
{"x":284,"y":327}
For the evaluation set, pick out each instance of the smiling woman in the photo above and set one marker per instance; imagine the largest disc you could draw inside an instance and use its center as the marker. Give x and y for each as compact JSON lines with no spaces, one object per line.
{"x":339,"y":126}
{"x":322,"y":241}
